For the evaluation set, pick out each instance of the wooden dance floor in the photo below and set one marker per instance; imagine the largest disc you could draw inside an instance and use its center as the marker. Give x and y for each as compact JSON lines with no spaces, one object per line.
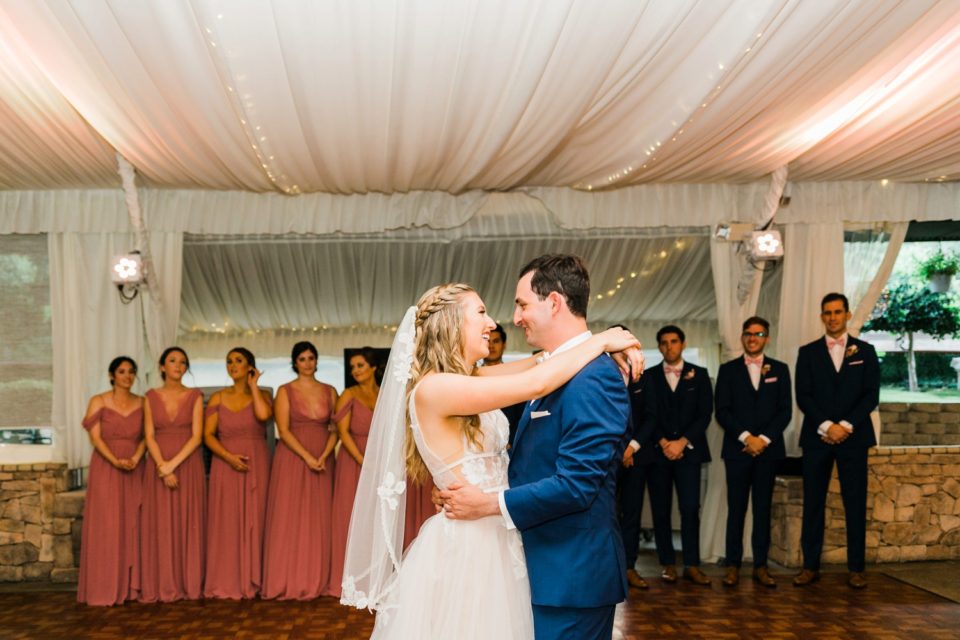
{"x":887,"y":608}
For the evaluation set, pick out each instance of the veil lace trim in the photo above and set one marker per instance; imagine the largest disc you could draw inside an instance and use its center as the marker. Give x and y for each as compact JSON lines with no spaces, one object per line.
{"x":375,"y":539}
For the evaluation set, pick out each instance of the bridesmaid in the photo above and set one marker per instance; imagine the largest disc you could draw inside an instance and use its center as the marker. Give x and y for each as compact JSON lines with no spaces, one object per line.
{"x":354,"y":413}
{"x":297,"y":539}
{"x":239,"y":473}
{"x":110,"y":549}
{"x":175,"y":495}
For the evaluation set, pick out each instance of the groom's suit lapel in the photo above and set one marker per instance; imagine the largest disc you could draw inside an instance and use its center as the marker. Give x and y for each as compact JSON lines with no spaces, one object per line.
{"x":522,"y":426}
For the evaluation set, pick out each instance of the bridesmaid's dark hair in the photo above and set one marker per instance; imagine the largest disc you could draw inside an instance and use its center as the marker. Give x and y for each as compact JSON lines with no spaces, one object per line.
{"x":299,"y":348}
{"x":115,"y":364}
{"x":252,"y":361}
{"x":167,"y":352}
{"x":370,"y":355}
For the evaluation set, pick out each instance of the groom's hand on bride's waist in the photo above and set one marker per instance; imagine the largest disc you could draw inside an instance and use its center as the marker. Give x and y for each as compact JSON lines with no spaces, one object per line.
{"x":467,"y":502}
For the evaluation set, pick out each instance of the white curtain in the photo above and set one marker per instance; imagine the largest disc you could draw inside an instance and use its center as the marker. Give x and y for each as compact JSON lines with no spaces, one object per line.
{"x":657,"y":209}
{"x":812,"y":267}
{"x":867,"y":268}
{"x":235,"y":288}
{"x":161,"y":320}
{"x":91,"y":325}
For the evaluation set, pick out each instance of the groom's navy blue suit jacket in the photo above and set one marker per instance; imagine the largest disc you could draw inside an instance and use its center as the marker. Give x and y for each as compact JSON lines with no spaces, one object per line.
{"x":563,"y":469}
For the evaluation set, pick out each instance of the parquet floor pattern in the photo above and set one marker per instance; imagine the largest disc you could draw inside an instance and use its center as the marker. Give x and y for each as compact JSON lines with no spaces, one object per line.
{"x":828,"y":610}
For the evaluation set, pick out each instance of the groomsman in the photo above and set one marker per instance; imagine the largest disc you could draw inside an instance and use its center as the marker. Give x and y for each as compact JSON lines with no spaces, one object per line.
{"x":684,"y":404}
{"x":753,"y":408}
{"x":498,"y":344}
{"x":838,"y":385}
{"x":637,"y":466}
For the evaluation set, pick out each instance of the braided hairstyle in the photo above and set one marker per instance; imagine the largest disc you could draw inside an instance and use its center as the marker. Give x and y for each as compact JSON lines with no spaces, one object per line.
{"x":438,"y":348}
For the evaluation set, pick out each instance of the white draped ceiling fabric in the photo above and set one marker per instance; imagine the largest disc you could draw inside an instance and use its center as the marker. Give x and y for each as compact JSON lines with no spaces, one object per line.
{"x":294,"y":97}
{"x":421,"y":140}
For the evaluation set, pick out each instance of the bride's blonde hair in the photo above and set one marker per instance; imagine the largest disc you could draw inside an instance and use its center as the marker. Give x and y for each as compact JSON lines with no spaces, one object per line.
{"x":438,"y":348}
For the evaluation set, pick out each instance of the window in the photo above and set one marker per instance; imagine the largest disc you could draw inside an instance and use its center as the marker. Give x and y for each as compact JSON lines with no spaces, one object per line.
{"x":26,"y":376}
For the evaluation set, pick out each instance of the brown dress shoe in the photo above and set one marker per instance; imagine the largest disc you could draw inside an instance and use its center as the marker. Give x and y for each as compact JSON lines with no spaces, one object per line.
{"x":669,"y":573}
{"x":732,"y":577}
{"x":857,"y":580}
{"x":694,"y":575}
{"x":762,"y":576}
{"x":635,"y":580}
{"x":805,"y":577}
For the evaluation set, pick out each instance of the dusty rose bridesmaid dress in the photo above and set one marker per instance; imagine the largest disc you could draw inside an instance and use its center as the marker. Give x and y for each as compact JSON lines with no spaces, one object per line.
{"x":172,"y":540}
{"x":237,"y":505}
{"x":297,"y":539}
{"x":110,"y":543}
{"x":345,"y":487}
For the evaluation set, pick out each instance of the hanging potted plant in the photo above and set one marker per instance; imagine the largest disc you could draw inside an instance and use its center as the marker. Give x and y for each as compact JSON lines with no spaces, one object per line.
{"x":938,"y":270}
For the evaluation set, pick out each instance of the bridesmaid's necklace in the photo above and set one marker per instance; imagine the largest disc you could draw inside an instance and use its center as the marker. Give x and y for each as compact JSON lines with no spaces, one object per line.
{"x":123,"y":408}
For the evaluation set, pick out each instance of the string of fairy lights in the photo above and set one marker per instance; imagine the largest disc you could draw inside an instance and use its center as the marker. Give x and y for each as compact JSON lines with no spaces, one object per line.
{"x":652,"y":150}
{"x":248,"y":114}
{"x":652,"y":263}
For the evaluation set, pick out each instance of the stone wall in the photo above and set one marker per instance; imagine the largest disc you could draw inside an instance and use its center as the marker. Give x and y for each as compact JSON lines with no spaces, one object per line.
{"x":39,"y":524}
{"x":919,"y":424}
{"x":913,"y":509}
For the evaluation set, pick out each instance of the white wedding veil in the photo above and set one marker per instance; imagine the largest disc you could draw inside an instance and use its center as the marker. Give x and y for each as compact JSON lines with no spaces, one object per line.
{"x":375,"y":541}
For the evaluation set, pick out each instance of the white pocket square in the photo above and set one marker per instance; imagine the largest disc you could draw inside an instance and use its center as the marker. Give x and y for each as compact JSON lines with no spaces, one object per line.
{"x":855,"y":363}
{"x":538,"y":414}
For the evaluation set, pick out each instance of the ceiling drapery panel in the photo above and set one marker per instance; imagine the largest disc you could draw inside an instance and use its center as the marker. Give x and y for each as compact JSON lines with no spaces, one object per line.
{"x":291,"y":96}
{"x":234,"y":286}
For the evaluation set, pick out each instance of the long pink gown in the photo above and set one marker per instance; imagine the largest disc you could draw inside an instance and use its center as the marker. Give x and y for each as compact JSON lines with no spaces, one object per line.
{"x":110,"y":543}
{"x":237,"y":505}
{"x":297,"y":539}
{"x":172,"y":541}
{"x":345,"y":487}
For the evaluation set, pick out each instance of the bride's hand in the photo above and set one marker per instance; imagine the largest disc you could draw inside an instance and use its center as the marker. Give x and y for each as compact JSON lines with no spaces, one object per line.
{"x":616,"y":339}
{"x":631,"y":363}
{"x":625,"y":350}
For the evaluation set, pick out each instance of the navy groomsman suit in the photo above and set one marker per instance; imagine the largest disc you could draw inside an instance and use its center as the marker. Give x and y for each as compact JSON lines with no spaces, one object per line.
{"x":763,"y":412}
{"x":634,"y":479}
{"x":684,"y":412}
{"x":847,"y":397}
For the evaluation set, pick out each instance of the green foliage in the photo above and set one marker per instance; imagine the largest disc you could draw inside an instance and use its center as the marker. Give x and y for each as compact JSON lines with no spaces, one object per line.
{"x":940,"y":262}
{"x":906,"y":308}
{"x":933,"y":370}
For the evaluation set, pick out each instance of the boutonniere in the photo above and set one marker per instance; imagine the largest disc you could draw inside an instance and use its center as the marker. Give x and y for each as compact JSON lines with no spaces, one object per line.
{"x":852,"y":349}
{"x":765,"y":369}
{"x":689,"y":375}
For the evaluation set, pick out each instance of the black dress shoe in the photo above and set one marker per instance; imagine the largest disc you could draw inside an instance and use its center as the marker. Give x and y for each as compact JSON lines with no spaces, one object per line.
{"x":857,"y":580}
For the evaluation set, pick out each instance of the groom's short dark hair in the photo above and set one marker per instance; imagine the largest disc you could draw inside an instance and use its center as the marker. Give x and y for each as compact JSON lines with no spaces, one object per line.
{"x":566,"y":274}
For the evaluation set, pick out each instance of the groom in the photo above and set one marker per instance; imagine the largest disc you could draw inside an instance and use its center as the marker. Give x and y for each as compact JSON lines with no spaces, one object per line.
{"x":563,"y":465}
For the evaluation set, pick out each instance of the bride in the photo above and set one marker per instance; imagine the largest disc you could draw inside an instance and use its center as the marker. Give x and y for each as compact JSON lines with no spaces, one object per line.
{"x":463,"y":579}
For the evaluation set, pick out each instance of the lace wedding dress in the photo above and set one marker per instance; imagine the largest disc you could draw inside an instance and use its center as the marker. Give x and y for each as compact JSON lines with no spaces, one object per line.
{"x":462,"y":579}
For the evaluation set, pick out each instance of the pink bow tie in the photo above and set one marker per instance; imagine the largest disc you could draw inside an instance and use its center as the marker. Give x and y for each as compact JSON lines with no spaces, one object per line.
{"x":673,"y":370}
{"x":831,"y":343}
{"x":757,"y":361}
